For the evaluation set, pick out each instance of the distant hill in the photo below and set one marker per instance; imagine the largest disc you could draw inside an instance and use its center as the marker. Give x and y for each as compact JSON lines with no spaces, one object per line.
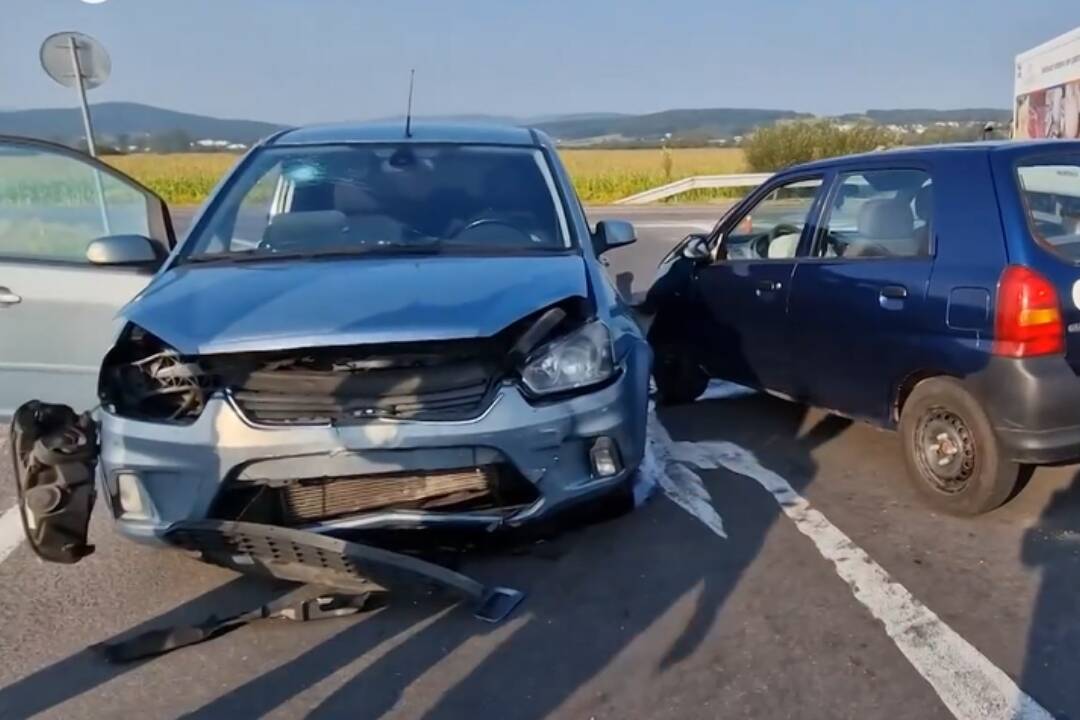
{"x":705,"y":123}
{"x":113,"y":119}
{"x":533,"y":121}
{"x":925,"y":117}
{"x":116,"y":118}
{"x":540,"y":119}
{"x":463,"y":118}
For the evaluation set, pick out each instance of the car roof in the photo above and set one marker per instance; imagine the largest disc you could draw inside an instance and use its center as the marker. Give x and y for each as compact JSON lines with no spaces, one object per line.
{"x":1011,"y":148}
{"x":421,"y":132}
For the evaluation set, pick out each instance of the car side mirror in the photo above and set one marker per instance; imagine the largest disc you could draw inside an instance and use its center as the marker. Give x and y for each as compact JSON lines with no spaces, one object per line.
{"x":612,"y":234}
{"x":696,"y":248}
{"x":125,"y":250}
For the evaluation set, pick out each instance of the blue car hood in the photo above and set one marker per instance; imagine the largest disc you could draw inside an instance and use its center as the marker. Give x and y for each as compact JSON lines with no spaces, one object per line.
{"x":283,"y":305}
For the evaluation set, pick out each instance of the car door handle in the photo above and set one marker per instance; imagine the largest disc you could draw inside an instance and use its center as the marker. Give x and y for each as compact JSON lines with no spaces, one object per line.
{"x":8,"y":298}
{"x":769,"y":286}
{"x":893,"y":292}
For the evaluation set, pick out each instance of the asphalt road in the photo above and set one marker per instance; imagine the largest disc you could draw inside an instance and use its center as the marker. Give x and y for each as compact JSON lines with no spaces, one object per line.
{"x":802,"y":580}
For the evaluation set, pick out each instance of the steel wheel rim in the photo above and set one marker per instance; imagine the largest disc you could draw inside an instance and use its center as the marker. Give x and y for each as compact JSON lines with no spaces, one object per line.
{"x":944,"y":450}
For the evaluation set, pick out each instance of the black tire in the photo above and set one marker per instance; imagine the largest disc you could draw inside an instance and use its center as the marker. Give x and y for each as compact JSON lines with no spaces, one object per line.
{"x":952,"y":454}
{"x":679,"y":377}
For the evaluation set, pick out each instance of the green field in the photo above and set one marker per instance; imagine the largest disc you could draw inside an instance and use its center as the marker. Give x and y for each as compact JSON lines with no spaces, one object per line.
{"x":599,"y":175}
{"x":602,"y":176}
{"x":182,"y":178}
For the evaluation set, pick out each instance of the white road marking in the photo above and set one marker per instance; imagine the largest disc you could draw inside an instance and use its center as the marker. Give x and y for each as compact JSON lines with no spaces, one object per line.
{"x":969,"y":685}
{"x":681,"y":484}
{"x":723,"y":390}
{"x":11,"y":532}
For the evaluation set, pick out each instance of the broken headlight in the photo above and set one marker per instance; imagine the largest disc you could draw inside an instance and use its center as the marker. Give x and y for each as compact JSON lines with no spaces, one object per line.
{"x":144,"y":378}
{"x":579,"y":359}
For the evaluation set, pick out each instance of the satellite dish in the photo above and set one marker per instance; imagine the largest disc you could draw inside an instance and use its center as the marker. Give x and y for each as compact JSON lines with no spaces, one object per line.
{"x":64,"y":64}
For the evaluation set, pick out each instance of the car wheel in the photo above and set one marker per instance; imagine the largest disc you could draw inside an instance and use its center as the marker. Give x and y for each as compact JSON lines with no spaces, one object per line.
{"x":678,"y":375}
{"x":952,"y":454}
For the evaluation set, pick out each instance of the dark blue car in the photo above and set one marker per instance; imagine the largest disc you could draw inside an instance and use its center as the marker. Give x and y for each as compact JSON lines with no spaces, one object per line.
{"x":932,"y":290}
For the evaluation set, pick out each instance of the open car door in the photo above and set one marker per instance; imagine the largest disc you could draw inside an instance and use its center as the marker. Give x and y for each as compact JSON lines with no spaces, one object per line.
{"x":60,"y":285}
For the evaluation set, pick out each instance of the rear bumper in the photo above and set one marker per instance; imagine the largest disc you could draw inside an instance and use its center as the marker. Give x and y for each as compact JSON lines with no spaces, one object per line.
{"x":1034,"y":406}
{"x":180,"y":471}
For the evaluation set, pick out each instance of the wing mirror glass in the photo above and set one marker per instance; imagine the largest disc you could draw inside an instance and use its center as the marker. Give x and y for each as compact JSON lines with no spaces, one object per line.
{"x":127,"y":250}
{"x":612,"y":234}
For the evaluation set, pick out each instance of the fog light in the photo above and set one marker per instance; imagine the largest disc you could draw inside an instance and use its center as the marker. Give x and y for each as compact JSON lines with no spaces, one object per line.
{"x":130,"y":493}
{"x":604,"y":457}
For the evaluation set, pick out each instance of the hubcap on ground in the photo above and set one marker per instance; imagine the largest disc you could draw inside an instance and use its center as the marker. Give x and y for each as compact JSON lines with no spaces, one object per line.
{"x":945,"y":450}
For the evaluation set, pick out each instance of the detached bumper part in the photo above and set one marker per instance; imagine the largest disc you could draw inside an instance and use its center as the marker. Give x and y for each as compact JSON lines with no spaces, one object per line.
{"x":307,"y":557}
{"x":55,"y":456}
{"x":308,"y":603}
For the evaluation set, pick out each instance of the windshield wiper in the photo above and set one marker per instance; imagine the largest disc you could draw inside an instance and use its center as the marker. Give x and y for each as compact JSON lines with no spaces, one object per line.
{"x":225,"y":257}
{"x":428,"y":245}
{"x":256,"y":255}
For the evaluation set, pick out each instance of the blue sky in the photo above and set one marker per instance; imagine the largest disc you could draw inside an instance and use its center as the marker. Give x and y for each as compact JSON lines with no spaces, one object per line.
{"x":300,"y":61}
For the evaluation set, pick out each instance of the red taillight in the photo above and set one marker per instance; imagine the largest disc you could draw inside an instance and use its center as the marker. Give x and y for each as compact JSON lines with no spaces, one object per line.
{"x":1028,"y":320}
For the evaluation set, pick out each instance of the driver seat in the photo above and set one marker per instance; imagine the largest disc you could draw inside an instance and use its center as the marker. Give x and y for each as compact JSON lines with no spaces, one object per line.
{"x":886,"y":229}
{"x":366,"y":222}
{"x":784,"y":246}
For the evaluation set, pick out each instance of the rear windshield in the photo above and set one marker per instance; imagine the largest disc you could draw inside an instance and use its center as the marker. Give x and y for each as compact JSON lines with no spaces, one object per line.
{"x":1052,"y":197}
{"x":403,"y":197}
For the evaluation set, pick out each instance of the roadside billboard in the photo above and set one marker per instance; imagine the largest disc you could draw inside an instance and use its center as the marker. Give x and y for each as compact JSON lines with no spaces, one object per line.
{"x":1047,"y":98}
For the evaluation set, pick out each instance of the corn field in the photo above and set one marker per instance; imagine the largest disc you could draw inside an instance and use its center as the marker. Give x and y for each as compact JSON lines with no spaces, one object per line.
{"x":182,"y":178}
{"x":600,"y":176}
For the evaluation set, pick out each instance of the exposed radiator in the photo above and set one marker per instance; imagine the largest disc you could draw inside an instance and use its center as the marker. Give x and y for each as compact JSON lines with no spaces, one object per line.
{"x":311,"y":500}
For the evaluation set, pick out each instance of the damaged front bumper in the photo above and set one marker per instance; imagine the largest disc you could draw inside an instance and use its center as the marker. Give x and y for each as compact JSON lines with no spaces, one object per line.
{"x":155,"y":475}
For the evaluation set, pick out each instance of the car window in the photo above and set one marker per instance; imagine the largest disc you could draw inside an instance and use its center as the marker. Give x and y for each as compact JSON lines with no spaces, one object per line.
{"x":772,"y":227}
{"x":1051,"y":195}
{"x":362,"y":198}
{"x":878,"y":213}
{"x":53,"y":205}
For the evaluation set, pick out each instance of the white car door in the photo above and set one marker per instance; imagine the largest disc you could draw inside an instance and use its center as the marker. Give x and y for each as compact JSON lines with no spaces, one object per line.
{"x":57,"y":307}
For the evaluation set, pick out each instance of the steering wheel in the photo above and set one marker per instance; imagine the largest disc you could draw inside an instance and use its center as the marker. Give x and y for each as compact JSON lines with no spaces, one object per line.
{"x":839,"y":247}
{"x":498,"y":222}
{"x":762,"y":242}
{"x":784,"y":229}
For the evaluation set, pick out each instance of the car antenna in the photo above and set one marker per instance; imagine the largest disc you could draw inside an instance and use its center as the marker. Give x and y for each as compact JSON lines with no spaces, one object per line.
{"x":408,"y":110}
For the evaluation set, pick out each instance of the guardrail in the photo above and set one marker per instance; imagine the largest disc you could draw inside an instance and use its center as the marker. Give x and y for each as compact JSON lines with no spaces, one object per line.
{"x":695,"y":183}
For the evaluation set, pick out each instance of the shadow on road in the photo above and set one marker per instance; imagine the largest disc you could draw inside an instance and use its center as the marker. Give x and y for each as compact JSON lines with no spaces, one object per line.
{"x":618,"y":584}
{"x":1052,"y":546}
{"x":88,"y":669}
{"x":584,"y":609}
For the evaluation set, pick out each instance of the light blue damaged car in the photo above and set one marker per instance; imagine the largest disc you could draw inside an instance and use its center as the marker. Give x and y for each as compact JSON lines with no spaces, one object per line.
{"x":364,"y":329}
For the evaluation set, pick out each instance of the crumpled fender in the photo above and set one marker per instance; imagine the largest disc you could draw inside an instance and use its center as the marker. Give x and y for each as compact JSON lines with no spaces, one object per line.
{"x":55,"y":455}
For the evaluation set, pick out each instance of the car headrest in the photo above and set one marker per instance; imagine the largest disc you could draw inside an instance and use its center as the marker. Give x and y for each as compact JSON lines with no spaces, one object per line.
{"x":924,"y":203}
{"x":353,"y":199}
{"x":304,"y":229}
{"x":883,"y":219}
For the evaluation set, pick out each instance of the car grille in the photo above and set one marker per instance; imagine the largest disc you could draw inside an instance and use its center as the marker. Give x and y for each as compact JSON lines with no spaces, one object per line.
{"x":310,"y":500}
{"x":454,"y":390}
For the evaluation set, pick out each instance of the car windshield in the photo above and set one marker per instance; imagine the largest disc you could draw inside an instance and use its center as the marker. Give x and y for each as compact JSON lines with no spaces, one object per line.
{"x":1051,"y":193}
{"x":394,"y":198}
